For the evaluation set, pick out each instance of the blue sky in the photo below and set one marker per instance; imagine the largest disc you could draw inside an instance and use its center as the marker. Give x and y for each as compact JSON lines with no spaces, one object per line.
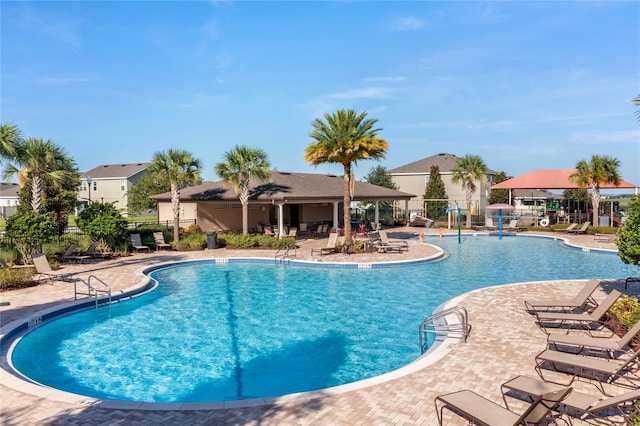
{"x":525,"y":85}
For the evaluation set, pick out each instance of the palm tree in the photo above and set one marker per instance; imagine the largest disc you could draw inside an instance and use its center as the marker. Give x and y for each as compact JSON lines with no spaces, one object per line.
{"x":345,"y":137}
{"x":240,"y":166}
{"x":41,"y":162}
{"x":591,"y":174}
{"x":467,"y":171}
{"x":180,"y":169}
{"x":10,"y":139}
{"x":636,"y":102}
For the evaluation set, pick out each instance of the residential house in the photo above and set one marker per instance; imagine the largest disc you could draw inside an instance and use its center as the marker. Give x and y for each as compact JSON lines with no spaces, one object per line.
{"x":8,"y":198}
{"x":110,"y":183}
{"x":285,"y":200}
{"x":413,"y":178}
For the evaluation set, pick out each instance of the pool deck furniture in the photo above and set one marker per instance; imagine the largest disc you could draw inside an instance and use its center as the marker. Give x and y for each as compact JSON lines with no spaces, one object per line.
{"x":489,"y":226}
{"x":70,"y":256}
{"x":576,"y":404}
{"x":583,"y":343}
{"x":329,"y":248}
{"x":45,"y":273}
{"x":631,"y":280}
{"x":477,"y":408}
{"x":386,"y":245}
{"x":607,"y":238}
{"x":581,"y":230}
{"x":136,"y":244}
{"x":581,"y":301}
{"x":568,"y":228}
{"x":158,"y":239}
{"x":557,"y":319}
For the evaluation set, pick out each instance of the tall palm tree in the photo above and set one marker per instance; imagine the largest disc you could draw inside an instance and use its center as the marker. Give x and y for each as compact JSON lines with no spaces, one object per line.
{"x":180,"y":169}
{"x":636,"y":102}
{"x":240,"y":166}
{"x":40,"y":162}
{"x":10,"y":139}
{"x":591,"y":174}
{"x":345,"y":137}
{"x":467,"y":171}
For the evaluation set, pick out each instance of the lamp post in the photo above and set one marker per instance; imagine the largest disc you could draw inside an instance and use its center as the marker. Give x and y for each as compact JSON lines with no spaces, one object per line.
{"x":89,"y":183}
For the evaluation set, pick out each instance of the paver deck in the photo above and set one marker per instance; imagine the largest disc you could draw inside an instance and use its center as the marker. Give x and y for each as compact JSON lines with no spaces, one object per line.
{"x":503,"y":343}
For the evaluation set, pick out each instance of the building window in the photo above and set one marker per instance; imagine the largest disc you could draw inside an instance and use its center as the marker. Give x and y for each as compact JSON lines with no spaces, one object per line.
{"x":95,"y":185}
{"x":123,"y":185}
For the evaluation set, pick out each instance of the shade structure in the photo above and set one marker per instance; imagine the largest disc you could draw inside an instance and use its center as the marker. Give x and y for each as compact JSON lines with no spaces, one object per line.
{"x":500,"y":207}
{"x":551,"y":179}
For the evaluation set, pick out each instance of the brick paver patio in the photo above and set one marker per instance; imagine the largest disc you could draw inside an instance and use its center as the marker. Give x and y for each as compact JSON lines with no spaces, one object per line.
{"x":503,"y":343}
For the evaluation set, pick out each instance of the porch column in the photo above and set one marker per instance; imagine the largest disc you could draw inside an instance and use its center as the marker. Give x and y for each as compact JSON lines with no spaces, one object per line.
{"x":280,"y":220}
{"x":406,"y":210}
{"x":376,"y":217}
{"x":335,"y":214}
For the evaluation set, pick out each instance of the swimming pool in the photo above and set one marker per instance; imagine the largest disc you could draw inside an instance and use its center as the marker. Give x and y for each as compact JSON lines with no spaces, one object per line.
{"x":215,"y":332}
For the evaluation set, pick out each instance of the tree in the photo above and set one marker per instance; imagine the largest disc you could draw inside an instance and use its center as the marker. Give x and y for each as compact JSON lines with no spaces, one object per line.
{"x":180,"y":169}
{"x":10,"y":139}
{"x":241,"y":165}
{"x":42,"y":163}
{"x":379,"y":175}
{"x":591,"y":174}
{"x":636,"y":102}
{"x":499,"y":196}
{"x":103,"y":222}
{"x":149,"y":184}
{"x":628,"y":247}
{"x":28,"y":229}
{"x":468,"y":170}
{"x":345,"y":137}
{"x":434,"y":190}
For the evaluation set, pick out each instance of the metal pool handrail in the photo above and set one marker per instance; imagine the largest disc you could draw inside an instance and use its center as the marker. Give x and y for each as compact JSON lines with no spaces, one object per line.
{"x":92,"y":290}
{"x":438,"y":325}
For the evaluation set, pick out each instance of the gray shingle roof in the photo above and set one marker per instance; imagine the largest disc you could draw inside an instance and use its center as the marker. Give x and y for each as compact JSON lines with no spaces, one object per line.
{"x":8,"y":189}
{"x":289,"y":187}
{"x":444,"y":161}
{"x":115,"y":170}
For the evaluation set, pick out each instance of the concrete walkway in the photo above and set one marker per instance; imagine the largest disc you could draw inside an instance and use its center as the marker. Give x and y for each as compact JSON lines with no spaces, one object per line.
{"x":503,"y":343}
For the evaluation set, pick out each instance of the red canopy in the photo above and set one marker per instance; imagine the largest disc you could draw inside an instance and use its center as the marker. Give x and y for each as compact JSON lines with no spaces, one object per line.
{"x":551,"y":179}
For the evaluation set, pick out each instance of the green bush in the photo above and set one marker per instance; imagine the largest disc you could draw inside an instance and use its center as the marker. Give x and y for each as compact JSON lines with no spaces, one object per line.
{"x":627,"y":310}
{"x":254,"y":241}
{"x":628,"y":247}
{"x":16,"y":278}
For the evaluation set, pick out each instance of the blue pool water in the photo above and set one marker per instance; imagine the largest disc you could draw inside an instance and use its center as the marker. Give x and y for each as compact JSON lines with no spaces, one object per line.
{"x":214,"y":332}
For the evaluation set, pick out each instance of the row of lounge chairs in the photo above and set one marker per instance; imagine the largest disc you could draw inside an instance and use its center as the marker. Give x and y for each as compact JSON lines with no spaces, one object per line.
{"x":601,"y":360}
{"x":379,"y":240}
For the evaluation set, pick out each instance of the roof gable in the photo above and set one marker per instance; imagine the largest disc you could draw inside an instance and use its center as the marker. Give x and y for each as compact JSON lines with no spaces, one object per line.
{"x":9,"y":190}
{"x":444,"y":161}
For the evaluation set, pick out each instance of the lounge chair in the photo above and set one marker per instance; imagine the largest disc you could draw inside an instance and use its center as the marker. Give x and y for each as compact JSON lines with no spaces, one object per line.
{"x":601,"y":370}
{"x":136,"y":244}
{"x":293,"y":232}
{"x":584,"y":404}
{"x":607,"y":238}
{"x":321,"y":230}
{"x":95,"y":252}
{"x":45,"y":273}
{"x":560,"y":318}
{"x":583,"y":342}
{"x":582,"y":299}
{"x":513,"y":226}
{"x":478,"y":409}
{"x":581,"y":230}
{"x":70,"y":256}
{"x":488,"y":224}
{"x":568,"y":228}
{"x":159,"y":241}
{"x":386,"y":245}
{"x":329,"y":248}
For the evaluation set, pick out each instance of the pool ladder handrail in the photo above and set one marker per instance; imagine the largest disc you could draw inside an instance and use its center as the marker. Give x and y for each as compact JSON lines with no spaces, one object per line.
{"x":438,"y":325}
{"x":283,"y":253}
{"x":91,"y":289}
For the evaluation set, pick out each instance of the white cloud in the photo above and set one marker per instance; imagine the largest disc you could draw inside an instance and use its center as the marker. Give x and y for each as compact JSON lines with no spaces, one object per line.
{"x":364,"y":93}
{"x":408,"y":23}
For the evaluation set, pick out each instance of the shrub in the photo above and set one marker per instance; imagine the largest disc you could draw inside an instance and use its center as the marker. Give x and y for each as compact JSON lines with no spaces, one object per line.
{"x":627,"y":310}
{"x":28,"y":230}
{"x":103,"y":222}
{"x":16,"y":278}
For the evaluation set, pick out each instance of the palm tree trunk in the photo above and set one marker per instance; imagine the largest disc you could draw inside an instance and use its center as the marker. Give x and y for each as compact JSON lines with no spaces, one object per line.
{"x":36,"y":193}
{"x":595,"y":201}
{"x":175,"y":205}
{"x":468,"y":195}
{"x":347,"y":204}
{"x":244,"y":200}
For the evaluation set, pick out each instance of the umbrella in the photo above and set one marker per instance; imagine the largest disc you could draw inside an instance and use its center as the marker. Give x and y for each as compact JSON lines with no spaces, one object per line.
{"x":500,"y":207}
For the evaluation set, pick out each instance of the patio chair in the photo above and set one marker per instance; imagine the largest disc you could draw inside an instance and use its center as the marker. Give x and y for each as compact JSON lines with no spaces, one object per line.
{"x":583,"y":342}
{"x":159,"y":241}
{"x":607,"y":238}
{"x":329,"y":248}
{"x":581,"y":230}
{"x":488,"y":224}
{"x":561,"y":318}
{"x":95,"y":252}
{"x":513,"y":226}
{"x":600,"y":370}
{"x":321,"y":230}
{"x":293,"y":232}
{"x":582,"y":299}
{"x":70,"y":256}
{"x":386,"y":244}
{"x":569,"y":228}
{"x":303,"y":229}
{"x":136,"y":244}
{"x":45,"y":273}
{"x":478,"y":409}
{"x":579,"y":403}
